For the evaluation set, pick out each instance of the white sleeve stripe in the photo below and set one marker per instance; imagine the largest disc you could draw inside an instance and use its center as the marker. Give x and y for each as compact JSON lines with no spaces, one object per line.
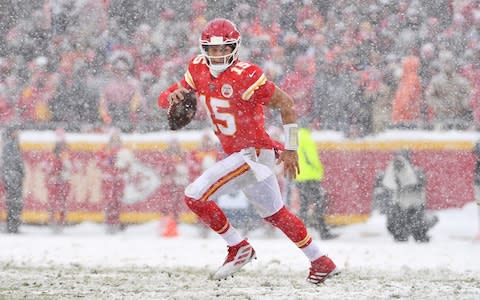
{"x":249,"y":92}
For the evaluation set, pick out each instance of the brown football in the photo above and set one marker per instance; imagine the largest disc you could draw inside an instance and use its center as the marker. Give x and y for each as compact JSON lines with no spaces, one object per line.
{"x":181,"y":114}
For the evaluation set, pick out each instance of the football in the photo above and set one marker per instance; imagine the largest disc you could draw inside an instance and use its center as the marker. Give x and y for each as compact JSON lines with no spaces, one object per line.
{"x":182,"y":113}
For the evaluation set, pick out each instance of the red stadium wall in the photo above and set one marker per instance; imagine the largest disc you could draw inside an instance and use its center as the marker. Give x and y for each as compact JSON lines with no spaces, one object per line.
{"x":350,"y":168}
{"x":351,"y":176}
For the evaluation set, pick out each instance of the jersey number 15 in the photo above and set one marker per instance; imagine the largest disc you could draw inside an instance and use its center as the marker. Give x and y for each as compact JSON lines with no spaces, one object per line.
{"x":221,"y":120}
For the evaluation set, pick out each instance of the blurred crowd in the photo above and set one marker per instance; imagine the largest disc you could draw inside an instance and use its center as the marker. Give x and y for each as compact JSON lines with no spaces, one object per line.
{"x":358,"y":67}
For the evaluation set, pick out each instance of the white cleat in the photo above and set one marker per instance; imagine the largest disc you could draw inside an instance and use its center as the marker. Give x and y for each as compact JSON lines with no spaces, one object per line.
{"x":238,"y":256}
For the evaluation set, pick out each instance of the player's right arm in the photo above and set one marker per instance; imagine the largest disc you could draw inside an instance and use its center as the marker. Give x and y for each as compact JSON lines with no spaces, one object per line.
{"x":283,"y":102}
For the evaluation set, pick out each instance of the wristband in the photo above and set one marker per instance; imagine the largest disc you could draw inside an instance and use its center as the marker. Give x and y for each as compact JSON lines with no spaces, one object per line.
{"x":291,"y":136}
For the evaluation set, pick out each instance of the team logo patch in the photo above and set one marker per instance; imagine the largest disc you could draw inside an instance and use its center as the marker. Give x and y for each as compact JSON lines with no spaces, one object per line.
{"x":227,"y":90}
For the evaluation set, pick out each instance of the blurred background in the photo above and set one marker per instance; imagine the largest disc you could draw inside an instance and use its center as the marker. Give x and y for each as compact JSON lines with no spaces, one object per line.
{"x":358,"y":67}
{"x":87,"y":72}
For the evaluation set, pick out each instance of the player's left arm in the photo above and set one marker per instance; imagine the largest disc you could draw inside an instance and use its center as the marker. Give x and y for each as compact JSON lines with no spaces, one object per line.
{"x":173,"y":94}
{"x":284,"y":103}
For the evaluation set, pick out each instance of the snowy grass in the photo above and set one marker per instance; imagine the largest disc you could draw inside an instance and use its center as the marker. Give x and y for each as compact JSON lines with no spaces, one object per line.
{"x":84,"y":262}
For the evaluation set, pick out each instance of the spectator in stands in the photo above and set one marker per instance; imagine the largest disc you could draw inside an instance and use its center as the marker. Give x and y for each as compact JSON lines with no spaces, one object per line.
{"x":426,"y":71}
{"x":33,"y":104}
{"x":299,"y":83}
{"x":408,"y":99}
{"x":89,"y":23}
{"x":148,"y":62}
{"x":121,"y":100}
{"x":441,"y":9}
{"x":68,"y":53}
{"x":428,"y":68}
{"x":334,"y":88}
{"x":408,"y":36}
{"x":76,"y":102}
{"x":274,"y":67}
{"x":359,"y":112}
{"x":448,"y":95}
{"x":10,"y":78}
{"x":471,"y":71}
{"x":12,"y":173}
{"x":127,"y":14}
{"x":309,"y":21}
{"x":116,"y":38}
{"x":6,"y":108}
{"x":454,"y":37}
{"x":198,"y":20}
{"x":7,"y":112}
{"x":406,"y":216}
{"x":378,"y":96}
{"x":90,"y":30}
{"x":59,"y":13}
{"x":291,"y":43}
{"x":30,"y":37}
{"x":430,"y":32}
{"x":260,"y":49}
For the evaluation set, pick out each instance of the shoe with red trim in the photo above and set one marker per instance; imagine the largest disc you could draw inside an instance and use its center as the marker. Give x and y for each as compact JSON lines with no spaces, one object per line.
{"x":321,"y":269}
{"x":238,"y":256}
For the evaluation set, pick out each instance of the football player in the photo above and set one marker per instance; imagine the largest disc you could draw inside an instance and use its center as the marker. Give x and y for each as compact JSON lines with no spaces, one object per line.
{"x":234,"y":94}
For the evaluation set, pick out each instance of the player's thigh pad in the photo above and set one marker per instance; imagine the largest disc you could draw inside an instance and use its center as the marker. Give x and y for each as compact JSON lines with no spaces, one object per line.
{"x":265,"y":196}
{"x":231,"y":173}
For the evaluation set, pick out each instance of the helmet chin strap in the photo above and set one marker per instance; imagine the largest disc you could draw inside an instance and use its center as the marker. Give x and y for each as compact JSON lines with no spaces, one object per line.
{"x":216,"y":70}
{"x":215,"y":73}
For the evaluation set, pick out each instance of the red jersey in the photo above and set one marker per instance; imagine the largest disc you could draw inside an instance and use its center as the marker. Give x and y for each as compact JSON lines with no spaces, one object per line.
{"x":234,"y":102}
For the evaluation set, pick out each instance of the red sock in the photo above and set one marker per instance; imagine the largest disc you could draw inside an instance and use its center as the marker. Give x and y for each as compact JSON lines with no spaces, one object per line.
{"x":292,"y":226}
{"x":210,"y":214}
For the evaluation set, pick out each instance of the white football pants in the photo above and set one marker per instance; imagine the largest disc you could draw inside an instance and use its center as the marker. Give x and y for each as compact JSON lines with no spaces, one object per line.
{"x":250,"y":170}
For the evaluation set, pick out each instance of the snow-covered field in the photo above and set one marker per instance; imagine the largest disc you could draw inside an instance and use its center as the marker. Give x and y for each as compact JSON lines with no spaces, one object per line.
{"x":84,"y":262}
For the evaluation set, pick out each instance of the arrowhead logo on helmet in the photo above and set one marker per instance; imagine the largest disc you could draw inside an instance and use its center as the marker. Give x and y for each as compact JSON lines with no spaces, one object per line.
{"x":220,"y":32}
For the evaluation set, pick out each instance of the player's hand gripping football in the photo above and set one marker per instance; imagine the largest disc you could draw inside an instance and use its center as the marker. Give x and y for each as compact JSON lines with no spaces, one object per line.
{"x":177,"y":95}
{"x":182,"y":109}
{"x":290,"y":163}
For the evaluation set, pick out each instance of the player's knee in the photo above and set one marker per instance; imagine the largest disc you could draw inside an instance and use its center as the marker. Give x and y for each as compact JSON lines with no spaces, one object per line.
{"x":194,"y":204}
{"x":277,"y":216}
{"x":190,"y":202}
{"x":192,"y":191}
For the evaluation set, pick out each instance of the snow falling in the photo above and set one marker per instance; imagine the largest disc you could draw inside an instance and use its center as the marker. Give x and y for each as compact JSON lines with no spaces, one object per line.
{"x":389,"y":90}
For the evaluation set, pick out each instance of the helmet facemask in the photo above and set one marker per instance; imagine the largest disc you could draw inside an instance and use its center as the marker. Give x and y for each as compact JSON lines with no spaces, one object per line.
{"x":227,"y":59}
